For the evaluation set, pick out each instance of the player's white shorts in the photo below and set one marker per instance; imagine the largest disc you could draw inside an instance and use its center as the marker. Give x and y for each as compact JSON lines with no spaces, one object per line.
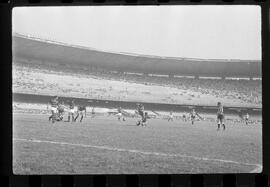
{"x":119,"y":115}
{"x":72,"y":111}
{"x":54,"y":109}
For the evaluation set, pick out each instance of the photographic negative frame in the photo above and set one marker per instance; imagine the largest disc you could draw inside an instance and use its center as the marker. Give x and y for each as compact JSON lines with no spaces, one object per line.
{"x":263,"y":43}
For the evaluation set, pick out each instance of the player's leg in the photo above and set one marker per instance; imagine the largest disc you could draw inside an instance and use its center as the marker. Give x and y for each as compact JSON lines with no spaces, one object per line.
{"x":223,"y":124}
{"x":141,"y":118}
{"x":81,"y":116}
{"x":53,"y":114}
{"x":218,"y":123}
{"x":60,"y":112}
{"x":118,"y":116}
{"x":69,"y":115}
{"x":73,"y":115}
{"x":76,"y":116}
{"x":139,"y":122}
{"x":222,"y":120}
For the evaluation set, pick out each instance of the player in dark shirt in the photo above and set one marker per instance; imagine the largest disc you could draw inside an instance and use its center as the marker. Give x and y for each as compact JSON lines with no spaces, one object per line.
{"x":184,"y":117}
{"x":93,"y":112}
{"x":81,"y":112}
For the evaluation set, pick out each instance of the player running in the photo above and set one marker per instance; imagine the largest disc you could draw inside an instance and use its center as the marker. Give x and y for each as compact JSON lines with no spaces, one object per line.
{"x":81,"y":112}
{"x":71,"y":110}
{"x":220,"y":116}
{"x":54,"y":105}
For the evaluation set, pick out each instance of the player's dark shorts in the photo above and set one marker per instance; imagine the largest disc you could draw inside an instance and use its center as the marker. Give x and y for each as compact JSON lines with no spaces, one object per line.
{"x":193,"y":117}
{"x":220,"y":117}
{"x":61,"y":110}
{"x":144,"y":120}
{"x":81,"y":108}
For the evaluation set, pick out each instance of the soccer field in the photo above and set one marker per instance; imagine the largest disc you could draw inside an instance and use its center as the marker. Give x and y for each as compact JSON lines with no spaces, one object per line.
{"x":105,"y":145}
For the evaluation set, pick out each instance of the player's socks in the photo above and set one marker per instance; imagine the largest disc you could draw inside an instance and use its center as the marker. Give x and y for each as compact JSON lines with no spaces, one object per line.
{"x":53,"y":119}
{"x":223,"y":126}
{"x":81,"y":119}
{"x":218,"y":126}
{"x":76,"y":117}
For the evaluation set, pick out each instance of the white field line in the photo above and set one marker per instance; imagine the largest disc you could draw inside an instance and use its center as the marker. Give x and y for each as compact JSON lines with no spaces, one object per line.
{"x":258,"y":167}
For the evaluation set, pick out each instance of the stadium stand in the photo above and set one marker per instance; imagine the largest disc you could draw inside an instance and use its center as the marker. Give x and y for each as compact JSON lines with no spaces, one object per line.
{"x":49,"y":51}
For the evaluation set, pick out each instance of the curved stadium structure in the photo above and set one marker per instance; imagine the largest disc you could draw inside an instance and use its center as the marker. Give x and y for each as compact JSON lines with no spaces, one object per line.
{"x":47,"y":51}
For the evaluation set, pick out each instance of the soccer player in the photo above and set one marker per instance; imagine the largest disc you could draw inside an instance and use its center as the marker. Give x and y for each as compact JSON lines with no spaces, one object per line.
{"x":61,"y":110}
{"x":93,"y":112}
{"x":220,"y":116}
{"x":140,"y":109}
{"x":54,"y":104}
{"x":144,"y":120}
{"x":192,"y":116}
{"x":120,"y":114}
{"x":81,"y":112}
{"x":184,"y":117}
{"x":247,"y":119}
{"x":170,"y":116}
{"x":71,"y":110}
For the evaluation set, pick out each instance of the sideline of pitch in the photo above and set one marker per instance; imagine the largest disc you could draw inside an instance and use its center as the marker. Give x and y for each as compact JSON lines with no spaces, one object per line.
{"x":257,"y":169}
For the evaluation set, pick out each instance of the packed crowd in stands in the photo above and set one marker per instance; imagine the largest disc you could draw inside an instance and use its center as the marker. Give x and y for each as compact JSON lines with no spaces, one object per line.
{"x":249,"y":91}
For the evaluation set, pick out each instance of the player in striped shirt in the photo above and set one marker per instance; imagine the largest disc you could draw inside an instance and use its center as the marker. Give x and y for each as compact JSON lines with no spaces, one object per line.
{"x":54,"y":108}
{"x":140,"y":109}
{"x":61,"y":110}
{"x":220,"y":116}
